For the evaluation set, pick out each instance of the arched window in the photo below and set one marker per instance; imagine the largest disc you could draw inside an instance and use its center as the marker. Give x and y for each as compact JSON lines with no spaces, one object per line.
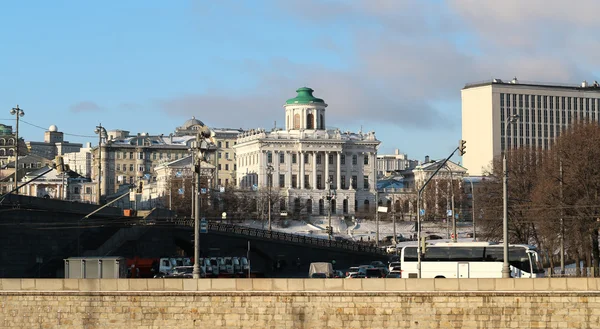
{"x":11,"y":142}
{"x":297,"y":121}
{"x":309,"y":206}
{"x":2,"y":152}
{"x":11,"y":152}
{"x":2,"y":141}
{"x":321,"y":207}
{"x":366,"y":205}
{"x":345,"y":206}
{"x":389,"y":203}
{"x":310,"y":121}
{"x":333,"y":206}
{"x":322,"y":122}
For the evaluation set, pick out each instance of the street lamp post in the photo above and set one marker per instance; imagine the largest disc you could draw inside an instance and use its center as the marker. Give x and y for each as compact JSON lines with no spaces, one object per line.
{"x":330,"y":196}
{"x":101,"y":131}
{"x":17,"y":112}
{"x":270,"y":186}
{"x":201,"y":147}
{"x":505,"y":264}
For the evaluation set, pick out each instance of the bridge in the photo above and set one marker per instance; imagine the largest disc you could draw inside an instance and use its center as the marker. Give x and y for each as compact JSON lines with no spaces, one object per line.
{"x":39,"y":233}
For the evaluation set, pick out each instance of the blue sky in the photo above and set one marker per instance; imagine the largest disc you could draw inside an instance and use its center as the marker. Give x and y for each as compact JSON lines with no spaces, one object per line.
{"x":395,"y":67}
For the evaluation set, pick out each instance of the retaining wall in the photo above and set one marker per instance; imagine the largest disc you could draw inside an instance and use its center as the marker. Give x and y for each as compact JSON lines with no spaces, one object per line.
{"x":300,"y":303}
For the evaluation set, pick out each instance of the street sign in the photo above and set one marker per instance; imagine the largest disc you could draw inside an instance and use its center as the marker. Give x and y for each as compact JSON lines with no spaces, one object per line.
{"x":422,"y":212}
{"x":449,"y":212}
{"x":203,"y":225}
{"x":382,"y":209}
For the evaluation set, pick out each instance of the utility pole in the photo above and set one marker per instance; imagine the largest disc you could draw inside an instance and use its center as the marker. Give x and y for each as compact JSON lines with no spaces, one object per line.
{"x":17,"y":112}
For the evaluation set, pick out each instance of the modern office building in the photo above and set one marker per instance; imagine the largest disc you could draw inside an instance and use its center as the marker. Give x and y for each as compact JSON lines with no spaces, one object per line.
{"x":544,"y":110}
{"x":306,"y":161}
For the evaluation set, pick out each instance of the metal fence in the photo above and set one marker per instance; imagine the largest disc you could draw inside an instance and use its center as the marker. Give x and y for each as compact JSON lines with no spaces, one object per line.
{"x":346,"y":245}
{"x":569,"y":272}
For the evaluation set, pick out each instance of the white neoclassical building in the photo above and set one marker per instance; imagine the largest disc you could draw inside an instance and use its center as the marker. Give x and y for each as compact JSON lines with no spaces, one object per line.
{"x":306,"y":161}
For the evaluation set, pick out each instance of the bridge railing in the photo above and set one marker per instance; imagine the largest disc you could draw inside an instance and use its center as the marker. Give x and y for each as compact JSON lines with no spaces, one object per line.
{"x":287,"y":237}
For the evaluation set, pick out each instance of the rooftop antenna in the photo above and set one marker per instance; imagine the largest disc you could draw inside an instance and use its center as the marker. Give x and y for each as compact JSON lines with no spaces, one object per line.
{"x":275,"y":125}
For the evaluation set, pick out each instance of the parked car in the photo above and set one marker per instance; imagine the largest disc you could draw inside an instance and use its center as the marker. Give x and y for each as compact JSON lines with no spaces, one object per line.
{"x":318,"y":276}
{"x":392,"y":265}
{"x":352,"y":270}
{"x":338,"y":274}
{"x":391,"y":249}
{"x":393,"y":275}
{"x":374,"y":273}
{"x":184,"y":272}
{"x":378,"y":264}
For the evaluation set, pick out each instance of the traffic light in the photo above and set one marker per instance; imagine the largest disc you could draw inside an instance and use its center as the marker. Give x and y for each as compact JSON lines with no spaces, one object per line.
{"x":462,"y":145}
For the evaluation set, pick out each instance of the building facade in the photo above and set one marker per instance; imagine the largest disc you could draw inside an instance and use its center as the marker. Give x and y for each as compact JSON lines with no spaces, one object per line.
{"x":224,"y":139}
{"x":305,"y":161}
{"x":392,"y":163}
{"x":127,"y":159}
{"x":80,"y":161}
{"x":544,"y":110}
{"x":53,"y":144}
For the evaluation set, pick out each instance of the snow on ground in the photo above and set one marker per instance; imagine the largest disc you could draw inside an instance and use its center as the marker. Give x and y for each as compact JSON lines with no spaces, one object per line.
{"x":365,"y":229}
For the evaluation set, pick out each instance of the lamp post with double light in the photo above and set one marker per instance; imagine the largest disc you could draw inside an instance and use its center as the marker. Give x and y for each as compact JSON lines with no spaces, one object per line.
{"x":101,"y":132}
{"x":201,"y":147}
{"x":17,"y":112}
{"x":505,"y":264}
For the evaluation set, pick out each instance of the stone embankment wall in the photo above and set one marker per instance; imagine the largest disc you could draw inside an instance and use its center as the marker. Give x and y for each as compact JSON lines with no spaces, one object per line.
{"x":300,"y":303}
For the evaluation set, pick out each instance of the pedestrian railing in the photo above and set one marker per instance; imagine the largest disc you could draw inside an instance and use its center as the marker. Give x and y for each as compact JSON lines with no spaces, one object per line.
{"x":287,"y":237}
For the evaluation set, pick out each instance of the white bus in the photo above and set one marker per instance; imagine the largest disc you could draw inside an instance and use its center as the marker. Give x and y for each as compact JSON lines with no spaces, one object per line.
{"x":470,"y":260}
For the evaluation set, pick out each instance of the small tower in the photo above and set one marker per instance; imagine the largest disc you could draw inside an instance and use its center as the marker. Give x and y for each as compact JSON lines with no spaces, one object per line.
{"x":305,"y":111}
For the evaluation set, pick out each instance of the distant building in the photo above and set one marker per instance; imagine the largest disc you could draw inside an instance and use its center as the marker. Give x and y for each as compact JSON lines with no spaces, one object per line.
{"x":544,"y":109}
{"x":80,"y":161}
{"x":8,"y":145}
{"x":53,"y":144}
{"x":390,"y":163}
{"x":305,"y":160}
{"x":225,"y":139}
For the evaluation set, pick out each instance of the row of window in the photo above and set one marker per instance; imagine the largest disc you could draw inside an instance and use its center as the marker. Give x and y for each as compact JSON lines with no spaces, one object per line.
{"x":323,"y":206}
{"x":319,"y":158}
{"x":545,"y":116}
{"x":321,"y":184}
{"x":10,"y":141}
{"x":155,"y":155}
{"x":548,"y":102}
{"x":220,"y":144}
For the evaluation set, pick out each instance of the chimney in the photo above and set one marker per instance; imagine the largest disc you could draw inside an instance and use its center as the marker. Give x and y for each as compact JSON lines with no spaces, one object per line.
{"x":427,"y":159}
{"x":397,"y":152}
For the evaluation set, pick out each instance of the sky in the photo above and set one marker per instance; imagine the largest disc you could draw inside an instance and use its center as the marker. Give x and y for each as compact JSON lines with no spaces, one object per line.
{"x":395,"y":67}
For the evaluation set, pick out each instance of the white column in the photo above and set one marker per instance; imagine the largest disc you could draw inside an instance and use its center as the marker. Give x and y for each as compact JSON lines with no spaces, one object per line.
{"x":314,"y":171}
{"x":339,"y":171}
{"x":288,"y":174}
{"x":276,"y":171}
{"x":326,"y":173}
{"x":360,"y":162}
{"x":264,"y":164}
{"x":301,"y":171}
{"x":373,"y":166}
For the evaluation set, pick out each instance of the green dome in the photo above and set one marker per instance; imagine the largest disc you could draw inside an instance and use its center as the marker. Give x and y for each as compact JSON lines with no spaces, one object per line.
{"x":304,"y":96}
